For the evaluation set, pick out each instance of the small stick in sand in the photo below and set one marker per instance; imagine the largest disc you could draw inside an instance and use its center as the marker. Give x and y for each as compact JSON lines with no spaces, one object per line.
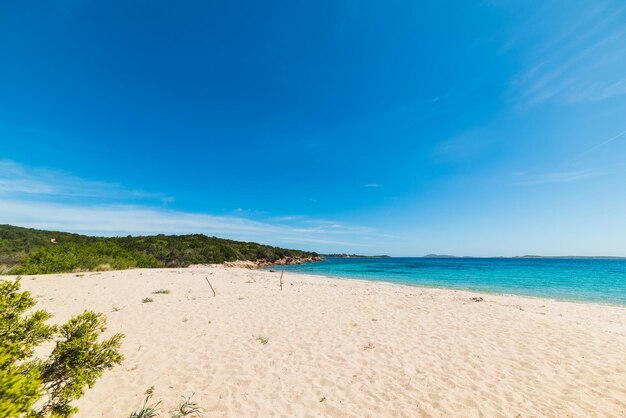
{"x":281,"y":279}
{"x":207,"y":280}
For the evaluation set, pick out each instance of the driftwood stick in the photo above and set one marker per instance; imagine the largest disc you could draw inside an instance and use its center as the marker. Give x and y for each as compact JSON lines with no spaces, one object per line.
{"x":281,"y":278}
{"x":207,"y":280}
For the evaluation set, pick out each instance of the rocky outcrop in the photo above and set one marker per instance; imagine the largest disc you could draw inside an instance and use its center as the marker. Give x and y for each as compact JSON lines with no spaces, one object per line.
{"x":294,"y":260}
{"x":265,"y":263}
{"x":242,"y":264}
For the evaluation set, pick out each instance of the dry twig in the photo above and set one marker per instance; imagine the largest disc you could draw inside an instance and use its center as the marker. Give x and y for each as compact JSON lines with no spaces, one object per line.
{"x":207,"y":280}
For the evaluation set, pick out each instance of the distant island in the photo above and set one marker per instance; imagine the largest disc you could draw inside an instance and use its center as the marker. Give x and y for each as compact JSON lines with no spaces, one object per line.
{"x":35,"y":251}
{"x":352,"y":256}
{"x":571,"y":256}
{"x":603,"y":257}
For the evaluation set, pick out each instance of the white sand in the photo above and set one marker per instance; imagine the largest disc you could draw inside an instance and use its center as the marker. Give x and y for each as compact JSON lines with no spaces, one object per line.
{"x":342,"y":348}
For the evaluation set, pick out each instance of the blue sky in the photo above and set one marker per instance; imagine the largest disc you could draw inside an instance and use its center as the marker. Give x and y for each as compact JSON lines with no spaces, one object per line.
{"x":400,"y":127}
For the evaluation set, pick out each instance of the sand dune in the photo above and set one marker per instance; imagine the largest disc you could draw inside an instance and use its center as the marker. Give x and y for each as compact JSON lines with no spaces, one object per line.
{"x":343,"y":348}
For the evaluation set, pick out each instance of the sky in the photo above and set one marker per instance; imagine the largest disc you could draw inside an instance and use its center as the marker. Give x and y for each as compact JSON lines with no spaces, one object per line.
{"x":486,"y":128}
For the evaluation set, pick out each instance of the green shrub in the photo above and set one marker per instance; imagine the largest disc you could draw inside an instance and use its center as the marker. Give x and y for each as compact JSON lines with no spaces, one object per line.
{"x":89,"y":257}
{"x":46,"y":387}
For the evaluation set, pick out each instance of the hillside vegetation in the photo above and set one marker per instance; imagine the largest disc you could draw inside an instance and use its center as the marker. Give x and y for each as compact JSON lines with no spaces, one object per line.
{"x":33,"y":251}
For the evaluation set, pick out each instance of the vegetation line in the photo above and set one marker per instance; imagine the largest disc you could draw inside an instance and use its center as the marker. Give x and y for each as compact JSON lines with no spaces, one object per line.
{"x":33,"y":251}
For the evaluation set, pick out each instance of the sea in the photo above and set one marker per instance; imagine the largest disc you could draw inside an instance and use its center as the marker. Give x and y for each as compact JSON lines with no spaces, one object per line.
{"x":594,"y":280}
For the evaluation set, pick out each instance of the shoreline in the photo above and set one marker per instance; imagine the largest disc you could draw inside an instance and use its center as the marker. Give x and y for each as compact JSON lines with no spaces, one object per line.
{"x":255,"y":266}
{"x":482,"y":291}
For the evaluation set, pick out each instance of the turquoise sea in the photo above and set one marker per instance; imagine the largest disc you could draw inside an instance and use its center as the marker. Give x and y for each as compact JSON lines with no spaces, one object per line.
{"x":590,"y":280}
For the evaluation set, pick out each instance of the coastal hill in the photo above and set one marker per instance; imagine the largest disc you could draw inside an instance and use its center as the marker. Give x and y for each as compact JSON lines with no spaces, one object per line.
{"x":34,"y":251}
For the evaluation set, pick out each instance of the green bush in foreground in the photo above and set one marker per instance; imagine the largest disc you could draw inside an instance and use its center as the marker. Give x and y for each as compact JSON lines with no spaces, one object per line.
{"x":42,"y":388}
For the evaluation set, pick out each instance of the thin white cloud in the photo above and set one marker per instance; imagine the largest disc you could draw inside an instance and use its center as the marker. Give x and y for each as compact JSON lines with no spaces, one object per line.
{"x":463,"y":147}
{"x":561,"y":177}
{"x":580,"y":62}
{"x":597,"y":146}
{"x":373,"y":185}
{"x":36,"y":198}
{"x":16,"y":178}
{"x":110,"y":220}
{"x":287,"y":218}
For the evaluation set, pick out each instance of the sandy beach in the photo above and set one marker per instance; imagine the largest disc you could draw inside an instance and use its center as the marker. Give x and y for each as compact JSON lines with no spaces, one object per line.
{"x":324,"y":347}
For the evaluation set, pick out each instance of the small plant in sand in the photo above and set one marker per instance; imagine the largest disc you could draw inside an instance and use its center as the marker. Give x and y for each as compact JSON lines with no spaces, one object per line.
{"x":45,"y":387}
{"x":262,"y":340}
{"x":161,"y":292}
{"x":147,"y":300}
{"x":146,"y":411}
{"x":186,"y":408}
